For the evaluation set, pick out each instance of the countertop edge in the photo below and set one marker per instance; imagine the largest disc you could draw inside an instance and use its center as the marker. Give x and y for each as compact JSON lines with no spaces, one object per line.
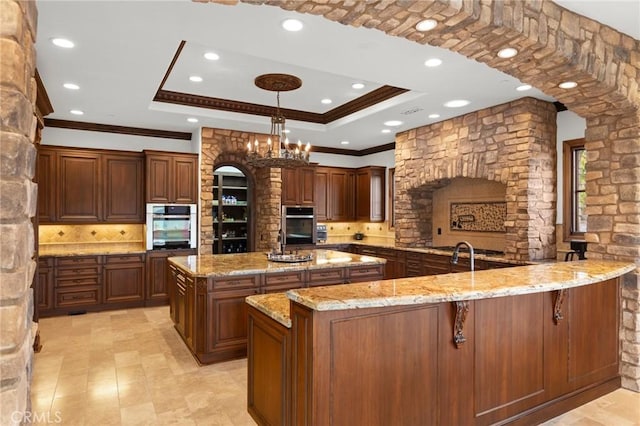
{"x":271,"y":313}
{"x":417,"y":299}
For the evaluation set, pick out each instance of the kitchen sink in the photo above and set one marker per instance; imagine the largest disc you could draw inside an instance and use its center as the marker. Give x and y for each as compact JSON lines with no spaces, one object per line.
{"x":289,"y":258}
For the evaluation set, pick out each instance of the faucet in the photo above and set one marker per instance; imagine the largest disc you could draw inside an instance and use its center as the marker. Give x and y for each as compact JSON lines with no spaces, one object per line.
{"x":281,"y":241}
{"x":454,"y":257}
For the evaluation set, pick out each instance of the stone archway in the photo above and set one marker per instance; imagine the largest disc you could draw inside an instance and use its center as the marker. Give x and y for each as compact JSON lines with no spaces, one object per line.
{"x":555,"y":45}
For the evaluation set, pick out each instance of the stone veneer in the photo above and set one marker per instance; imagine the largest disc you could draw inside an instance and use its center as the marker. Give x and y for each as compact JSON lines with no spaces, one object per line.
{"x":554,"y":45}
{"x":513,"y":143}
{"x":17,"y":205}
{"x":228,"y":148}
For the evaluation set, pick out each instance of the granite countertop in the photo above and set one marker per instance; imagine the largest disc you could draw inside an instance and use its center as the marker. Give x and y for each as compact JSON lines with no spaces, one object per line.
{"x":256,"y":263}
{"x":460,"y":286}
{"x":274,"y":305}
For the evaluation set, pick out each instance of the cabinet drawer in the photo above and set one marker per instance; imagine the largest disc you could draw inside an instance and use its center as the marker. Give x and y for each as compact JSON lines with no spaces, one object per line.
{"x":124,"y":258}
{"x":387,"y":253}
{"x":418,"y":257}
{"x":77,"y":297}
{"x":80,"y":270}
{"x":333,"y":276}
{"x":78,"y":261}
{"x":78,"y":281}
{"x":285,"y":278}
{"x":366,"y":273}
{"x":241,"y":281}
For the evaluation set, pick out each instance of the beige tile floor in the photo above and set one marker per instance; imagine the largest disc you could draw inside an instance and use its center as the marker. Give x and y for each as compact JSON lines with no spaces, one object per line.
{"x":130,"y":367}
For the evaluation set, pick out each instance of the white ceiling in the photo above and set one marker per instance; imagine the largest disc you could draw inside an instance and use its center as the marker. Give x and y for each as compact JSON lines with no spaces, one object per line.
{"x":123,"y":50}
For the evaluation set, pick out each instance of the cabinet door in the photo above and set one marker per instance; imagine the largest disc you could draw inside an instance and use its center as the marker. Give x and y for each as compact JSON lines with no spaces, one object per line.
{"x":158,"y":174}
{"x":298,"y":186}
{"x":370,"y":194}
{"x":321,"y":194}
{"x":44,"y":292}
{"x":290,"y":189}
{"x":307,"y":186}
{"x":158,"y":278}
{"x":123,"y":188}
{"x":123,"y":282}
{"x":78,"y":189}
{"x":185,"y":188}
{"x":340,"y":196}
{"x":227,"y":320}
{"x":45,"y":177}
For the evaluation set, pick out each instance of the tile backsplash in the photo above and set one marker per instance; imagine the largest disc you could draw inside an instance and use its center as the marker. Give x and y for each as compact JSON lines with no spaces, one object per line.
{"x":82,"y":234}
{"x":369,"y":229}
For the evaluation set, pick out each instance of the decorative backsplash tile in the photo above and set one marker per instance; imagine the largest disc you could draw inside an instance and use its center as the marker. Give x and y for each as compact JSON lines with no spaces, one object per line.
{"x":478,"y":217}
{"x":370,"y":229}
{"x":108,"y":233}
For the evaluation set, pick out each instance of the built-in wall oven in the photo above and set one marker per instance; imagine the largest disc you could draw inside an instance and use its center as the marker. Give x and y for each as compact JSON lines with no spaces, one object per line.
{"x":171,"y":226}
{"x":299,"y":224}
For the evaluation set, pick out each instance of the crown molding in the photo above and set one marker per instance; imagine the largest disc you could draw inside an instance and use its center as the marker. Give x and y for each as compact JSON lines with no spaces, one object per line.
{"x":107,"y":128}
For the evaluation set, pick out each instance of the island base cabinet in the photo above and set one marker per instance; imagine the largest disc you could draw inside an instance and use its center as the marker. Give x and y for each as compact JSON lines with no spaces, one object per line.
{"x":269,"y":370}
{"x":516,"y":360}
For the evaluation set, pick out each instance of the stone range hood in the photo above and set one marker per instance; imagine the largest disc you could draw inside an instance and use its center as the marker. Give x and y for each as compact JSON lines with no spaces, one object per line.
{"x":512,"y":143}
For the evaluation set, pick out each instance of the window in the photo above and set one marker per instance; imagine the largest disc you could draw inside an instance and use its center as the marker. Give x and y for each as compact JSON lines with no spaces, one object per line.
{"x":574,"y":172}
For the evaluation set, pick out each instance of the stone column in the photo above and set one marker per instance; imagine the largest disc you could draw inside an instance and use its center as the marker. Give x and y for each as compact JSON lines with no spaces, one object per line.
{"x":17,"y":205}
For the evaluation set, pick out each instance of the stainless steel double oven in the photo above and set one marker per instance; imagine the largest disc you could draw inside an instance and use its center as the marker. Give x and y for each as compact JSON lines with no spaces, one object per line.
{"x":299,"y":224}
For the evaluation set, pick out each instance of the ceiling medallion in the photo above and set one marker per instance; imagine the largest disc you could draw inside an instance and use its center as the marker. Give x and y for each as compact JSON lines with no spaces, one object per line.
{"x":285,"y":155}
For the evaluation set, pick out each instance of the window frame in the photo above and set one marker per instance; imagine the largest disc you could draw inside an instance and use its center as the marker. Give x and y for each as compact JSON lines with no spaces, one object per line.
{"x":569,"y":171}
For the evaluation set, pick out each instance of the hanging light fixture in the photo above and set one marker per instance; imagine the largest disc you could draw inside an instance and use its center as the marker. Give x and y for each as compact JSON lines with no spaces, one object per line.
{"x":278,"y":153}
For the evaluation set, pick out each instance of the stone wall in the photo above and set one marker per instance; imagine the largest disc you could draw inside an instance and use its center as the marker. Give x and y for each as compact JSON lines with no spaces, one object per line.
{"x":18,"y":199}
{"x":228,"y":148}
{"x":513,"y":143}
{"x":554,"y":45}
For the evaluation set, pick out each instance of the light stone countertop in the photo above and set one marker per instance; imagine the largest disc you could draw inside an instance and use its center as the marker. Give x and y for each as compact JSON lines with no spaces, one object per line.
{"x":90,"y":249}
{"x":439,"y":288}
{"x":221,"y":265}
{"x":460,"y":286}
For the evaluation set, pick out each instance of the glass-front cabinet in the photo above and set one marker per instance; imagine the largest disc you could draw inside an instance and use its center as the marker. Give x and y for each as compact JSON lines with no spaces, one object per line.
{"x":231,"y":218}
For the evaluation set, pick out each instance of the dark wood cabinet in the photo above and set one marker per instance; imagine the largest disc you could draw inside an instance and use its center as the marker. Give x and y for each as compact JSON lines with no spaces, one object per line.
{"x":157,"y":288}
{"x":298,"y":186}
{"x":232,"y":226}
{"x":78,"y":190}
{"x":89,"y":186}
{"x":124,"y":278}
{"x":44,"y":292}
{"x":370,"y":182}
{"x":123,"y":184}
{"x":334,"y":188}
{"x":171,"y":177}
{"x":78,"y":283}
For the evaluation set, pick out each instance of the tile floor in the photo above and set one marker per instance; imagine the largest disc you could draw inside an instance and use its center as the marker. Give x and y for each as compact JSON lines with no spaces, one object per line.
{"x":130,"y":367}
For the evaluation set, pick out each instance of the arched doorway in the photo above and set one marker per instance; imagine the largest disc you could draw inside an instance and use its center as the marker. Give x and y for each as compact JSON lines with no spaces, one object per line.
{"x":232,"y":204}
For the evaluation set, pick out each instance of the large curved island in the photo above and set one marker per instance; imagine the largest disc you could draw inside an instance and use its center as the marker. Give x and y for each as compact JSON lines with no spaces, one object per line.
{"x":516,"y":345}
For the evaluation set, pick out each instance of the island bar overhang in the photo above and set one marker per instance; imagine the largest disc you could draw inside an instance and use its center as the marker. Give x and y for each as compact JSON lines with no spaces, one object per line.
{"x":539,"y":341}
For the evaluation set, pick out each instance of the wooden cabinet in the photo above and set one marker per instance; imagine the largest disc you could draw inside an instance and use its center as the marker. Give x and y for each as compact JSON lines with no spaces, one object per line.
{"x":44,"y":282}
{"x":334,"y":188}
{"x":157,"y":288}
{"x":171,"y":177}
{"x":78,"y":283}
{"x":298,"y":186}
{"x":370,"y":199}
{"x":123,"y":188}
{"x":78,"y":192}
{"x":124,"y":278}
{"x":89,"y":186}
{"x":283,"y":281}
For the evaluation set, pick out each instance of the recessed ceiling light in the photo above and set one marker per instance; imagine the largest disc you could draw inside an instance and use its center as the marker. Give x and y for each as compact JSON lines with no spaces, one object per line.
{"x":457,"y":103}
{"x":433,"y":62}
{"x":434,"y":115}
{"x":507,"y":52}
{"x":567,"y":85}
{"x":292,"y":25}
{"x":211,"y":56}
{"x":357,"y":86}
{"x":386,"y":130}
{"x":192,"y":120}
{"x":523,"y":88}
{"x":344,"y":143}
{"x":326,"y":101}
{"x":287,"y":131}
{"x":71,"y":86}
{"x":393,"y":123}
{"x":76,"y":112}
{"x":62,"y":42}
{"x":426,"y":25}
{"x":195,"y":78}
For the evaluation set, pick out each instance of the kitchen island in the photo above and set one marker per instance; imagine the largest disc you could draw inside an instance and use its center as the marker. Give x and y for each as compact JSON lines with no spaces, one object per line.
{"x":515,"y":345}
{"x":207,"y":293}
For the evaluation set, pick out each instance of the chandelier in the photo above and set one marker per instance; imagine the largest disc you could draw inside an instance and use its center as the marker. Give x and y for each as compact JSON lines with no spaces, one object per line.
{"x":278,"y":153}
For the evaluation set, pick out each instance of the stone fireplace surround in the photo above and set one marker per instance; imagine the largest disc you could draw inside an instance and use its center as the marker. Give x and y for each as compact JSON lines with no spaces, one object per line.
{"x":555,"y":45}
